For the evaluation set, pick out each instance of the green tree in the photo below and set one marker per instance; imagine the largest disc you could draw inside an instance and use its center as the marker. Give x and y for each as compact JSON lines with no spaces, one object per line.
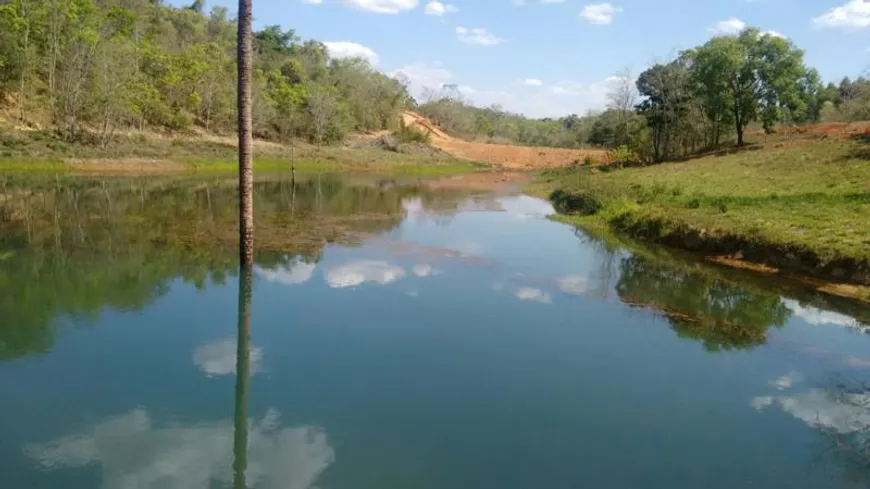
{"x":758,"y":74}
{"x":288,"y":101}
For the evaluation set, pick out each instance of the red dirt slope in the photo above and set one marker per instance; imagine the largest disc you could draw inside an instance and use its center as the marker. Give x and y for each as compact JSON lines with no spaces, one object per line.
{"x":501,"y":155}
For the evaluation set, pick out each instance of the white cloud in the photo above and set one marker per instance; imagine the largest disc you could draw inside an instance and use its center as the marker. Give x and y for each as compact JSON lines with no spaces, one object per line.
{"x":843,"y":413}
{"x":382,"y":6}
{"x":347,"y":49}
{"x":478,"y":36}
{"x":294,"y":274}
{"x":854,"y":14}
{"x":552,"y":100}
{"x":774,"y":34}
{"x":423,"y":75}
{"x":786,"y":381}
{"x":525,"y":207}
{"x":313,"y":2}
{"x":761,"y":402}
{"x":556,"y":100}
{"x":132,"y":452}
{"x":358,"y":272}
{"x":533,"y":294}
{"x":600,"y":13}
{"x":438,"y":9}
{"x":533,"y":82}
{"x":727,"y":27}
{"x":219,"y":358}
{"x":818,"y":317}
{"x":573,"y":284}
{"x":425,"y":270}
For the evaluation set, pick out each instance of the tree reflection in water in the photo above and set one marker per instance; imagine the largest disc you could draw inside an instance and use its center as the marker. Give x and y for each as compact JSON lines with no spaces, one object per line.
{"x":721,"y":314}
{"x":240,"y":419}
{"x":77,"y":246}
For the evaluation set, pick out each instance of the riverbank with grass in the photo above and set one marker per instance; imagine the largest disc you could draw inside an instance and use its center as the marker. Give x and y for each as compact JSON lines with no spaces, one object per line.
{"x":797,"y":203}
{"x":156,"y":153}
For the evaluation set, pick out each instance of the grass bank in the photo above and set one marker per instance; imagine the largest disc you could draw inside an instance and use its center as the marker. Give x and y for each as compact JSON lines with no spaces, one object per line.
{"x":799,"y":203}
{"x":156,"y":153}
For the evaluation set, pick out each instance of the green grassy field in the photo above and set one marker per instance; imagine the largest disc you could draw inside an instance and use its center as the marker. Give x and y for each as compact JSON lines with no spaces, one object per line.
{"x":807,"y":194}
{"x":39,"y":151}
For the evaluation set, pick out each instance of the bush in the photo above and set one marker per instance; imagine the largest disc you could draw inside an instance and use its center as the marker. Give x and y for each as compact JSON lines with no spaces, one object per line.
{"x":410,"y":134}
{"x":582,"y":203}
{"x":622,"y":155}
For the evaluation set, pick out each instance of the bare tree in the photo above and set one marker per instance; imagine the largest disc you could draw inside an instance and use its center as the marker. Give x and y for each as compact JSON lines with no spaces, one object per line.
{"x":322,"y":106}
{"x":622,"y":100}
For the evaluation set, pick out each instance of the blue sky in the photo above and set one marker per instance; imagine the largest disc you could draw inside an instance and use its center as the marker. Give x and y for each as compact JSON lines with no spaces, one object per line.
{"x":554,"y":57}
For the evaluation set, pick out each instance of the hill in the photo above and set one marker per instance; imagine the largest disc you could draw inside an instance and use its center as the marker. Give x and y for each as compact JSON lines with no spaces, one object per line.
{"x":798,"y":201}
{"x":505,"y":156}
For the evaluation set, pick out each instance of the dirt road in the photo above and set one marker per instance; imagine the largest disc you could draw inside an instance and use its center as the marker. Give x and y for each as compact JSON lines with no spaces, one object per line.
{"x":501,"y":155}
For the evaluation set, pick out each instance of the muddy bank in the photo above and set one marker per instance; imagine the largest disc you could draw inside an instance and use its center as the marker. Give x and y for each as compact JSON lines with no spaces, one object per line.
{"x":844,"y":277}
{"x":788,"y":258}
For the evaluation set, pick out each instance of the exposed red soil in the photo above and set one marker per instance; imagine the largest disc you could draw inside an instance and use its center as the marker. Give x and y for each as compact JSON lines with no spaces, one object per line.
{"x":504,"y":156}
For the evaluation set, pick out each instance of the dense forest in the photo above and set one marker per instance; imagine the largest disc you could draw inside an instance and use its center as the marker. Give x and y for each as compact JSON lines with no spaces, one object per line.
{"x":705,"y":97}
{"x":89,"y":68}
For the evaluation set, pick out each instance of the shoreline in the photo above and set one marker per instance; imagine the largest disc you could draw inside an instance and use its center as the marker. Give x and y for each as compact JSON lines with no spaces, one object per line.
{"x":133,"y":166}
{"x":819,"y":283}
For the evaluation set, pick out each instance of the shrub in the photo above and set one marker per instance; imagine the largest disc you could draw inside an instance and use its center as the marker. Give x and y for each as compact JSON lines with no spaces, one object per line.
{"x":582,"y":203}
{"x":410,"y":134}
{"x":621,"y":156}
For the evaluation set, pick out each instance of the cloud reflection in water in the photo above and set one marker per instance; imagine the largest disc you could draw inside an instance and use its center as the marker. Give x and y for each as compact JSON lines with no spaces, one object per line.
{"x":133,"y":453}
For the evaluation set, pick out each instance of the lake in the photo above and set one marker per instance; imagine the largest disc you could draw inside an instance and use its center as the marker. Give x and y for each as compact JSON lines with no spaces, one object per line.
{"x":402,"y":334}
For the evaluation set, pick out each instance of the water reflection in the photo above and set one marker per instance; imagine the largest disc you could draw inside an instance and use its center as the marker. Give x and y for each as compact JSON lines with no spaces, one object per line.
{"x":133,"y":453}
{"x":296,"y":272}
{"x":243,"y":377}
{"x":218,"y":358}
{"x":358,"y":272}
{"x":479,"y":284}
{"x":819,"y":317}
{"x":721,"y":314}
{"x":78,"y":246}
{"x":839,"y":410}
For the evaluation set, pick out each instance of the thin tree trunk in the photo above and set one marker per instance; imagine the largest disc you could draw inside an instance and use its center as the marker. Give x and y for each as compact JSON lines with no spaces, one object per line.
{"x":246,"y":170}
{"x":52,"y":63}
{"x":26,"y":71}
{"x":240,"y":431}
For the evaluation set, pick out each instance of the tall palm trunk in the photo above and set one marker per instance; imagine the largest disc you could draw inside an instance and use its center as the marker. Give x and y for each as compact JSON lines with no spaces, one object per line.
{"x":246,"y":170}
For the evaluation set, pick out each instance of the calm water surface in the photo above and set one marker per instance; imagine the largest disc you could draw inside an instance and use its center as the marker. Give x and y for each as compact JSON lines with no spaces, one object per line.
{"x":402,"y":335}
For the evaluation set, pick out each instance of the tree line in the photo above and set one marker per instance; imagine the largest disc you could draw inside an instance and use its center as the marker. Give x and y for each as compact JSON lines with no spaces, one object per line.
{"x":705,"y":97}
{"x":91,"y":68}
